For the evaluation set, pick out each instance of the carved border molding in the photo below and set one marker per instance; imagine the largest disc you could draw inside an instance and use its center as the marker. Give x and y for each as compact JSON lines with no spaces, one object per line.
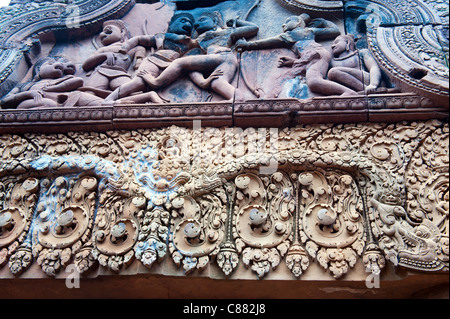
{"x":329,"y":195}
{"x":264,"y":113}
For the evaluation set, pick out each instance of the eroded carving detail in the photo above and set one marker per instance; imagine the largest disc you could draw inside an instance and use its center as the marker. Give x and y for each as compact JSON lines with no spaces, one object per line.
{"x":19,"y":200}
{"x":331,"y":224}
{"x":263,"y":220}
{"x":336,"y":195}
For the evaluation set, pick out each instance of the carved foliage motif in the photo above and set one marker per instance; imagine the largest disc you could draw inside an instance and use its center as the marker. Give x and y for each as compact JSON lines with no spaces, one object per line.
{"x":263,"y":220}
{"x":331,"y":195}
{"x":332,"y":224}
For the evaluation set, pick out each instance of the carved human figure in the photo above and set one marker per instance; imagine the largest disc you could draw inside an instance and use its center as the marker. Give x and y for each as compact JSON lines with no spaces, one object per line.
{"x":356,"y":69}
{"x":313,"y":64}
{"x":109,"y":65}
{"x":298,"y":32}
{"x":169,"y":46}
{"x":53,"y":85}
{"x":300,"y":35}
{"x":219,"y":64}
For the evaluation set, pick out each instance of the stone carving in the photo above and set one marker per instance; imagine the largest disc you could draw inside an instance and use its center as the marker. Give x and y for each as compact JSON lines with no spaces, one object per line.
{"x":66,"y":199}
{"x":300,"y":34}
{"x":237,"y":202}
{"x":65,"y":213}
{"x":170,"y":46}
{"x":263,"y":220}
{"x":349,"y":66}
{"x":380,"y":29}
{"x":108,"y":67}
{"x":415,"y":60}
{"x":117,"y":231}
{"x":331,"y":224}
{"x":216,"y":40}
{"x":22,"y":22}
{"x":198,"y":230}
{"x":297,"y":31}
{"x":313,"y":65}
{"x":313,"y":5}
{"x":53,"y":85}
{"x":18,"y":203}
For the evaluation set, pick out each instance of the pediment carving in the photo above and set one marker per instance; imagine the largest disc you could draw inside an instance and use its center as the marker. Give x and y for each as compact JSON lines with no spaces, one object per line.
{"x":371,"y":59}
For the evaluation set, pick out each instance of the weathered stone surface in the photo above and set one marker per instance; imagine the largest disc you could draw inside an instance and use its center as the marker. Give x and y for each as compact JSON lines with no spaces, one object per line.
{"x":316,"y":194}
{"x":215,"y":145}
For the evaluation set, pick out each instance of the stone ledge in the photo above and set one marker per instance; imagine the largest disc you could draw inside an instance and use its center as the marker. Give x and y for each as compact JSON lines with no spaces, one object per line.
{"x":263,"y":113}
{"x":166,"y":287}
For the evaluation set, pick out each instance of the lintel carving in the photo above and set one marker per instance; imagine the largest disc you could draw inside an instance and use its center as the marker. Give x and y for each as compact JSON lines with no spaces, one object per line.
{"x":256,"y":199}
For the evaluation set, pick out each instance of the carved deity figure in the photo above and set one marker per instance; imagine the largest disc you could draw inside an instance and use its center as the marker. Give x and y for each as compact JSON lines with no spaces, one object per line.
{"x":313,"y":63}
{"x":166,"y":47}
{"x":53,"y":85}
{"x":219,"y":63}
{"x":300,"y":35}
{"x":298,"y":31}
{"x":349,"y":65}
{"x":109,"y":64}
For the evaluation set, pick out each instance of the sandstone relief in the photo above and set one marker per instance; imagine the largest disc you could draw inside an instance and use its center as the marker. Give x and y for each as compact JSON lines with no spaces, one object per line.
{"x":235,"y":200}
{"x":229,"y":53}
{"x":246,"y":139}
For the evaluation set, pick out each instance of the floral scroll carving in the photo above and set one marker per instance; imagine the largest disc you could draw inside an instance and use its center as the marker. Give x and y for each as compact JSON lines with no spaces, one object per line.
{"x":263,"y":220}
{"x":330,"y":196}
{"x":198,"y":230}
{"x":332,"y":224}
{"x":66,"y":211}
{"x":20,"y":199}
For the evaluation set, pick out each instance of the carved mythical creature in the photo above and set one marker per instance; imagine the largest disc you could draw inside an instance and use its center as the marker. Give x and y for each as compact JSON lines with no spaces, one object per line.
{"x":53,"y":84}
{"x":219,"y":62}
{"x":169,"y":46}
{"x":415,"y":245}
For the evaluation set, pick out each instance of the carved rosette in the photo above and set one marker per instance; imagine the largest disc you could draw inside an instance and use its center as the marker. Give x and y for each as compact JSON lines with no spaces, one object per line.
{"x":263,"y":220}
{"x":331,"y":225}
{"x":198,"y":228}
{"x":65,"y":218}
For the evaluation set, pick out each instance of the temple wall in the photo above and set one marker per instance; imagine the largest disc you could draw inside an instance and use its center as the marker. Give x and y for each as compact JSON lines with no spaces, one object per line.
{"x":277,"y":158}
